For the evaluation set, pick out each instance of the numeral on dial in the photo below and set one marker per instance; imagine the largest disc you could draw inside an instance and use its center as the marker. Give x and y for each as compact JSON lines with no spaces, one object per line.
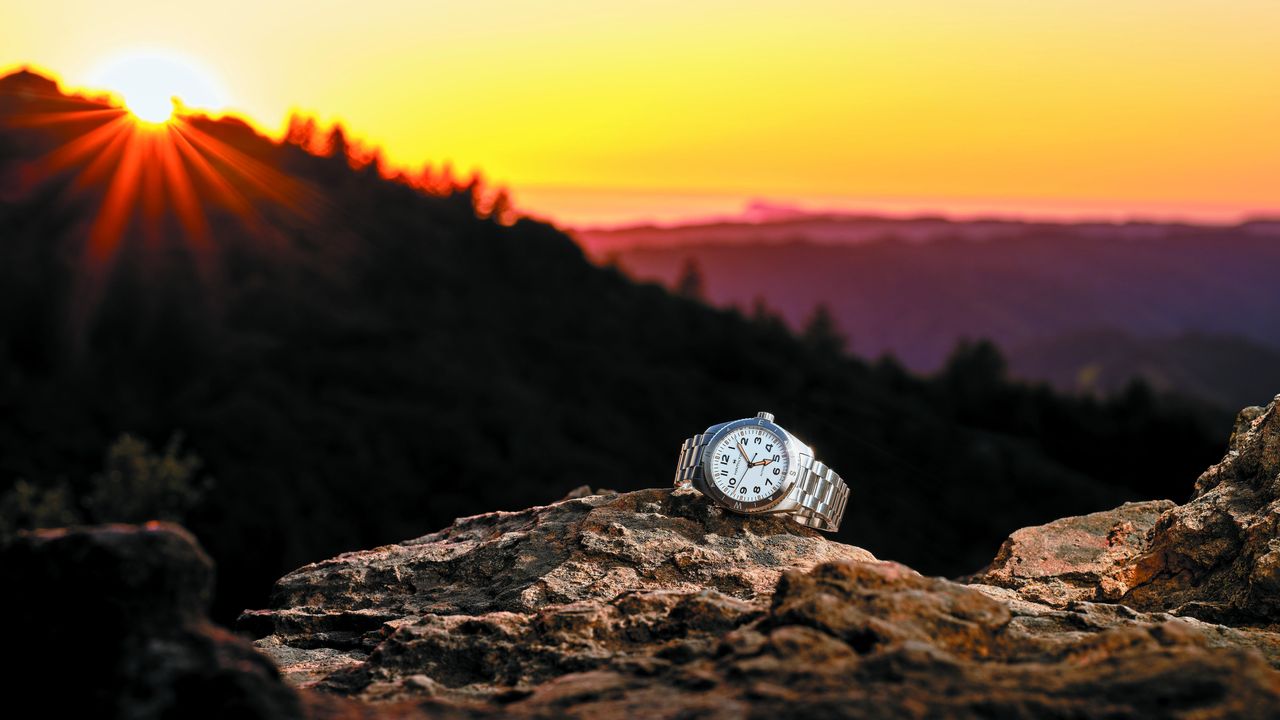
{"x":748,"y":471}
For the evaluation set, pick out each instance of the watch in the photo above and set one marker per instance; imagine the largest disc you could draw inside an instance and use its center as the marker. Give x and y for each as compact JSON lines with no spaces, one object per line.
{"x":754,"y":466}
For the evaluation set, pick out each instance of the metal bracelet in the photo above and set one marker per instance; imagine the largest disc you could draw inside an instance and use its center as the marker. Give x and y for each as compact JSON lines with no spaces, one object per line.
{"x":690,"y":455}
{"x":822,"y":495}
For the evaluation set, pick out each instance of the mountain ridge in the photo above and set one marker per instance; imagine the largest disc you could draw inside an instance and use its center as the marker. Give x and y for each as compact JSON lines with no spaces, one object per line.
{"x":1037,"y":285}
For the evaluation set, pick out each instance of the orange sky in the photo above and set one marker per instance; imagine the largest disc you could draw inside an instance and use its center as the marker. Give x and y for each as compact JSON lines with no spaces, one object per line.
{"x":596,"y":111}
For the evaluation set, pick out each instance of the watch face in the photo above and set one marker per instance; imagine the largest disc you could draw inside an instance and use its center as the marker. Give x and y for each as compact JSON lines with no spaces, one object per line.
{"x":749,"y":465}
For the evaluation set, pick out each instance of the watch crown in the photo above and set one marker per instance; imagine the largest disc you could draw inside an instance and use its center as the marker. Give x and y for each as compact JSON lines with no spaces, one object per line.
{"x":765,"y":416}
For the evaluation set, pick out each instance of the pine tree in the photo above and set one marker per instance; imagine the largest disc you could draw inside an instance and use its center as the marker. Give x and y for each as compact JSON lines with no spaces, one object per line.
{"x":338,"y":147}
{"x":690,"y":283}
{"x":820,"y":331}
{"x":301,"y":132}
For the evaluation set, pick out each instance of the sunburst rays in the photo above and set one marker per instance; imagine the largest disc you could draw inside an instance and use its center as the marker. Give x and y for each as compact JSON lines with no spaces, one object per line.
{"x":156,"y":181}
{"x":176,"y":191}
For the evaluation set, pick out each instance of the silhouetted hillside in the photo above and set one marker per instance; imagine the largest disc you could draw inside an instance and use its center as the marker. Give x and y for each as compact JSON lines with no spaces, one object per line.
{"x":1226,"y":371}
{"x":912,"y":288}
{"x":358,"y":360}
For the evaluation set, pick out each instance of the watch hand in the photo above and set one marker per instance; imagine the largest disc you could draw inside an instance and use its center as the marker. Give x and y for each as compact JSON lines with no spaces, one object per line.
{"x":744,"y":452}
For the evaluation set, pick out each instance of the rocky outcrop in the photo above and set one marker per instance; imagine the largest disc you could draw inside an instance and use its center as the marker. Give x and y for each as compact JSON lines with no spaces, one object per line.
{"x":585,"y":560}
{"x":657,"y":604}
{"x":846,"y":639}
{"x":1217,"y":557}
{"x":1089,"y":557}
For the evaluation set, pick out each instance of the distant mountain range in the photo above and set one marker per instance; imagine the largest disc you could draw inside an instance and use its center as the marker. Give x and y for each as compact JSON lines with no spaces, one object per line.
{"x":1086,"y":306}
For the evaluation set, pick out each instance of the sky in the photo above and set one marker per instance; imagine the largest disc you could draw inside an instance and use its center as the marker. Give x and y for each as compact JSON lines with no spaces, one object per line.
{"x":596,"y":112}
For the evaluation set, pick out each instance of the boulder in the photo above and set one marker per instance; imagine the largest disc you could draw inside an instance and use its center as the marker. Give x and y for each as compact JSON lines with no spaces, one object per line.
{"x":1218,"y":556}
{"x":1087,"y":557}
{"x":110,"y":621}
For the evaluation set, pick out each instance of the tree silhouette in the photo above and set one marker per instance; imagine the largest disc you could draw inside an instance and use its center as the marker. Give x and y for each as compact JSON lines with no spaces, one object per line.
{"x":690,"y":283}
{"x":137,"y":485}
{"x":337,"y":145}
{"x":765,"y":316}
{"x":820,"y":331}
{"x":499,"y":208}
{"x":976,"y":364}
{"x":301,"y":132}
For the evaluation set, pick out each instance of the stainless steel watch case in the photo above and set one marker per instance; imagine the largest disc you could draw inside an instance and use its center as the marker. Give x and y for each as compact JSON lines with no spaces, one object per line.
{"x":781,"y":501}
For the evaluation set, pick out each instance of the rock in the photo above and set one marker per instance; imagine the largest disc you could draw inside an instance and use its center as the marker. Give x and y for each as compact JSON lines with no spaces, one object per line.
{"x":1218,"y":556}
{"x":591,"y":548}
{"x":657,"y":604}
{"x":847,"y":638}
{"x":110,"y":621}
{"x":858,"y":639}
{"x":1088,"y":557}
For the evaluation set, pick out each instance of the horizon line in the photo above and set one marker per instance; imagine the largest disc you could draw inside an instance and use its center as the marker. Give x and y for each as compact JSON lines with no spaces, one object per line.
{"x":1059,"y":210}
{"x":755,"y":206}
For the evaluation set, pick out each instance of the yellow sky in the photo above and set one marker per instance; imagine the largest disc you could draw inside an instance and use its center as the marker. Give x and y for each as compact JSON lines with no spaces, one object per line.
{"x":1129,"y":104}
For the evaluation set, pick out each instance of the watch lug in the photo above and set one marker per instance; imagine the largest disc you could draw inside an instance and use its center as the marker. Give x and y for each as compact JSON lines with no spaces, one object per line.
{"x":786,"y":505}
{"x":802,"y":450}
{"x":699,"y":482}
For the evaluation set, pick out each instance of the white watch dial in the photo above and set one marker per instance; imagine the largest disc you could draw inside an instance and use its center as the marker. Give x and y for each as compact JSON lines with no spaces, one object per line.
{"x":749,"y":464}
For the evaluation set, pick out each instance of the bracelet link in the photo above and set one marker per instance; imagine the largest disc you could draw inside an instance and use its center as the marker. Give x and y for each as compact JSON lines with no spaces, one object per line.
{"x":822,"y":496}
{"x":687,"y":465}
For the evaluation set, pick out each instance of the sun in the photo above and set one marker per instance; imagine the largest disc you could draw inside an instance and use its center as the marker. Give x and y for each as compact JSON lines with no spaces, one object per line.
{"x":152,"y":83}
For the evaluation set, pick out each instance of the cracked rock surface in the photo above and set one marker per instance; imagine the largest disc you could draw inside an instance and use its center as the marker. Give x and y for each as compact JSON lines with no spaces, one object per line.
{"x":625,"y":571}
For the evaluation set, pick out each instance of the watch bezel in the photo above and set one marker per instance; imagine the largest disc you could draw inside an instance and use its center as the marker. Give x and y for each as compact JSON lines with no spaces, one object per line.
{"x":758,"y":506}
